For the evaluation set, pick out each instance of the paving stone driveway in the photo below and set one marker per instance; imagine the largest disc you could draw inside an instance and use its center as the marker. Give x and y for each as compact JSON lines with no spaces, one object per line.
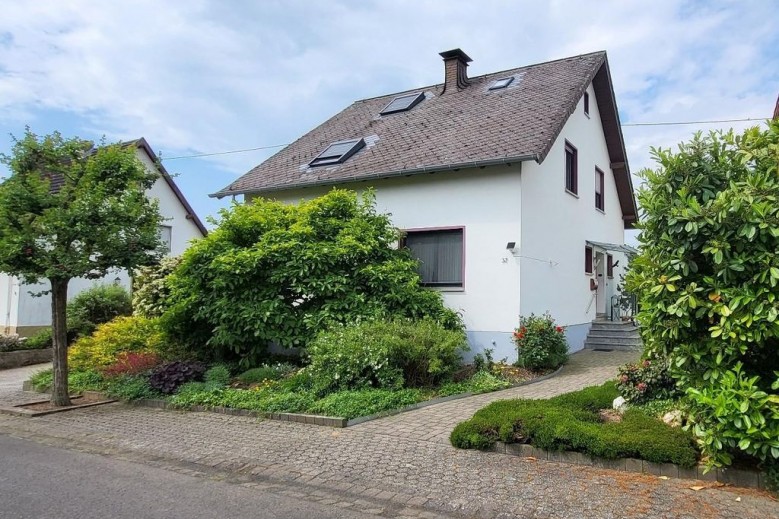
{"x":396,"y":467}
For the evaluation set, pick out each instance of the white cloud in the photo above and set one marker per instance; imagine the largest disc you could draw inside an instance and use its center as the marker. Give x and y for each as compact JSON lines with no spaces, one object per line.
{"x":212,"y":76}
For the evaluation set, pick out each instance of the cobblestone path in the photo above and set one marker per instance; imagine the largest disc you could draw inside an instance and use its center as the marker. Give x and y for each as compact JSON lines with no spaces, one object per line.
{"x":399,"y":466}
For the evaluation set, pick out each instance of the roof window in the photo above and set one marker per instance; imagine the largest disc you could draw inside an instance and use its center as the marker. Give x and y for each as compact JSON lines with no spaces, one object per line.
{"x":501,"y":83}
{"x":338,"y":152}
{"x":403,"y":103}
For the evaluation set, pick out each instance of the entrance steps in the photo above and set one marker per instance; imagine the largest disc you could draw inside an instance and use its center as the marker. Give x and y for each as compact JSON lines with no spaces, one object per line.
{"x":613,"y":335}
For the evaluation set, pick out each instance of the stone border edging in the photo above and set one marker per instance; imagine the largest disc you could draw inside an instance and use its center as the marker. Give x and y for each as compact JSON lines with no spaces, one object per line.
{"x":19,"y":410}
{"x":731,"y":476}
{"x":19,"y":358}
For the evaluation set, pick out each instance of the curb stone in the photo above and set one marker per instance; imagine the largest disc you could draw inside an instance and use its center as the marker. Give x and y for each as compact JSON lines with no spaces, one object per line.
{"x":729,"y":475}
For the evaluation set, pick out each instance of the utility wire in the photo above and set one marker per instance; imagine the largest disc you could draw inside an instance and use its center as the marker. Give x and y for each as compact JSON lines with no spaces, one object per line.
{"x":674,"y":123}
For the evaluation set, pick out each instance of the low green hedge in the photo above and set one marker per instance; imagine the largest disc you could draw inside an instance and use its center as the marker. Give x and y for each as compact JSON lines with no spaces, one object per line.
{"x":571,"y":422}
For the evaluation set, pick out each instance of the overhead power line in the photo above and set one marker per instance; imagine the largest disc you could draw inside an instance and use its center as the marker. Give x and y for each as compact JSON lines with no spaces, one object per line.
{"x":671,"y":123}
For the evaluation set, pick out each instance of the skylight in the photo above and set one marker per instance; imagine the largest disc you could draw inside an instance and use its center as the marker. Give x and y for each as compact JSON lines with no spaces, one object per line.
{"x":403,"y":103}
{"x":502,"y":83}
{"x":338,"y":152}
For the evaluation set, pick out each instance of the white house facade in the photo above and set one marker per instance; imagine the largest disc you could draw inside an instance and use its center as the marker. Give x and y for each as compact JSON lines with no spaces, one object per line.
{"x":503,"y":229}
{"x":24,"y":312}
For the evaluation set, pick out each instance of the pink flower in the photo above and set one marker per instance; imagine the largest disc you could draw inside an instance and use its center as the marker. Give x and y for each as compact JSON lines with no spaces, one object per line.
{"x":624,"y":379}
{"x":647,"y":363}
{"x":641,"y":387}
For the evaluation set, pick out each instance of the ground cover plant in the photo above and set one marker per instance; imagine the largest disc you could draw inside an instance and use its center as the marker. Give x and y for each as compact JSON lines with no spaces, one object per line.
{"x":573,"y":422}
{"x":707,"y":280}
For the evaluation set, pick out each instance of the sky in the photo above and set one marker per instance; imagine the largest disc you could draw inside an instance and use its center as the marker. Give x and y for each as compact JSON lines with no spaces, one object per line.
{"x":199,"y":76}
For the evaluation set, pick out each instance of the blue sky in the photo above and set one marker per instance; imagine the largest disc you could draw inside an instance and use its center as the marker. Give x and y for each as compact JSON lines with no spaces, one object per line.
{"x":209,"y":76}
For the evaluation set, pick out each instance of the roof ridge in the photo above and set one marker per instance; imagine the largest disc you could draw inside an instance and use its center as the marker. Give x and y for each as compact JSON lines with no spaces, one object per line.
{"x":423,"y":88}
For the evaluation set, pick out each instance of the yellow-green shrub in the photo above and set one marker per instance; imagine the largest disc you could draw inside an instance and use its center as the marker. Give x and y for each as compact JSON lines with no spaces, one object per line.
{"x":123,"y":334}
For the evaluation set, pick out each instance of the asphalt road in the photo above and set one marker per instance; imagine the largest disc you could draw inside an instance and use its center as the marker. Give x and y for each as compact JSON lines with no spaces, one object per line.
{"x":41,"y":482}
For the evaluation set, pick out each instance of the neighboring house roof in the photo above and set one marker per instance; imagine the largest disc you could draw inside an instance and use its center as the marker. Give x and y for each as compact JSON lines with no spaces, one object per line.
{"x":776,"y":109}
{"x":466,"y":125}
{"x":57,"y":180}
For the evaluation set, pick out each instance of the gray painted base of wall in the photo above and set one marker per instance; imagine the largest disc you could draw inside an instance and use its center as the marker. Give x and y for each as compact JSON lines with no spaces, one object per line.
{"x":503,"y":346}
{"x":576,"y":334}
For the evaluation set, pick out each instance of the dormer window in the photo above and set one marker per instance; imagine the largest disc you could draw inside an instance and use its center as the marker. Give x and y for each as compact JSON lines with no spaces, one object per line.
{"x":338,"y":152}
{"x":502,"y":83}
{"x":403,"y":103}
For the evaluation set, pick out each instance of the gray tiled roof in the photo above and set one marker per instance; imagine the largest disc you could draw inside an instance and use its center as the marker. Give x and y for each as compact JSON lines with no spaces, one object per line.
{"x":458,"y":128}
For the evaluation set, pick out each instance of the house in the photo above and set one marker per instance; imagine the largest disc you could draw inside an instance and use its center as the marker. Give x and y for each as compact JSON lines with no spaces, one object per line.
{"x":24,"y":313}
{"x":512,"y":188}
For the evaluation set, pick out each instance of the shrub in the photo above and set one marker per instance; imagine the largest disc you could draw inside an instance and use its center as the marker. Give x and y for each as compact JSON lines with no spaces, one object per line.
{"x":129,"y":387}
{"x":274,"y":272}
{"x":39,"y":340}
{"x":77,"y":381}
{"x":150,"y":287}
{"x":123,"y":334}
{"x":266,"y":372}
{"x":131,"y":363}
{"x":540,"y":343}
{"x":385,"y":355}
{"x":571,"y":422}
{"x":167,"y":378}
{"x":218,"y":375}
{"x":645,"y":381}
{"x":10,"y":343}
{"x":707,"y":279}
{"x":97,"y":305}
{"x":353,"y":404}
{"x":480,"y":382}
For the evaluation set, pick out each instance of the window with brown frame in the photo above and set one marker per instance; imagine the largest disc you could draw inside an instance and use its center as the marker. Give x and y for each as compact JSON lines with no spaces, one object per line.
{"x":610,"y":265}
{"x":586,"y":103}
{"x":588,"y":260}
{"x":599,"y":184}
{"x":440,"y":254}
{"x":571,"y":173}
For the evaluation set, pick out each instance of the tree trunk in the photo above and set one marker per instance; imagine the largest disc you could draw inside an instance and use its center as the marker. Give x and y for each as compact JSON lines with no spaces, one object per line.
{"x":59,"y":334}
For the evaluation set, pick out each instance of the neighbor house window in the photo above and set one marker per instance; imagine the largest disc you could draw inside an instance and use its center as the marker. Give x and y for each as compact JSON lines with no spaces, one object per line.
{"x":440,"y":255}
{"x":586,"y":103}
{"x":599,"y":176}
{"x":165,"y":236}
{"x":571,"y":174}
{"x":588,"y":260}
{"x":610,"y":265}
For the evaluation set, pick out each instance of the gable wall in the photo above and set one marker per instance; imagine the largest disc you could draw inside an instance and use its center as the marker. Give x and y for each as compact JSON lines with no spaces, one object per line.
{"x":34,"y":313}
{"x":556,"y":225}
{"x":487,"y":203}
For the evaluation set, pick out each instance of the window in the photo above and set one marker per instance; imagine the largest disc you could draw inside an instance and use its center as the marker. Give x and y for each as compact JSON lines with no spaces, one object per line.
{"x":501,"y":83}
{"x":588,"y":260}
{"x":599,"y":176}
{"x":440,"y":255}
{"x":403,"y":103}
{"x":610,"y":265}
{"x":338,"y":152}
{"x":164,"y":232}
{"x":571,"y":174}
{"x":586,"y":103}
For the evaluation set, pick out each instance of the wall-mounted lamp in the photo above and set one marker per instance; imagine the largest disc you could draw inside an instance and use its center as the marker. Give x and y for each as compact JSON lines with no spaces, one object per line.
{"x":511,"y":245}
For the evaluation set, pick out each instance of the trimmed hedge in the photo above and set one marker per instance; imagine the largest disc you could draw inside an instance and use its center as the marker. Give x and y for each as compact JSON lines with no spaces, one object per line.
{"x":571,"y":422}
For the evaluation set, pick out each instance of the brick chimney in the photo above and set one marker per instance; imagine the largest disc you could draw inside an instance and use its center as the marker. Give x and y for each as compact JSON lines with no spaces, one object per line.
{"x":455,"y":70}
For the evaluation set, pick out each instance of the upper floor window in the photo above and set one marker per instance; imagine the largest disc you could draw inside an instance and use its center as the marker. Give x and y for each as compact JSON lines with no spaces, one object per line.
{"x":586,"y":103}
{"x":338,"y":152}
{"x":440,"y":254}
{"x":571,"y":173}
{"x":165,"y":233}
{"x":599,"y":185}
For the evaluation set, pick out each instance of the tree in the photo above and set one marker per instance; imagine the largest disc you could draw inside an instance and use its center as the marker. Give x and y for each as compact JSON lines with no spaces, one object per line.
{"x":708,"y":283}
{"x":273,"y":272}
{"x":71,"y":210}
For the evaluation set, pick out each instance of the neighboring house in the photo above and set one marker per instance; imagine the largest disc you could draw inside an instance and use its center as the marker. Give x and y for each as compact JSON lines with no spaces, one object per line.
{"x":23,"y":313}
{"x":513,"y":188}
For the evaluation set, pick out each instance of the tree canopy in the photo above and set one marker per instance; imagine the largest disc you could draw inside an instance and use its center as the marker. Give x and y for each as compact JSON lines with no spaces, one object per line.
{"x":69,"y":209}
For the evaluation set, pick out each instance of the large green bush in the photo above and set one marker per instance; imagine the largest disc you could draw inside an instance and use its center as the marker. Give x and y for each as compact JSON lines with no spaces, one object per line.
{"x":708,"y":280}
{"x":123,"y":334}
{"x":541,"y":344}
{"x":151,"y":291}
{"x":384,"y":354}
{"x":95,"y":306}
{"x":280,"y":273}
{"x":571,"y":422}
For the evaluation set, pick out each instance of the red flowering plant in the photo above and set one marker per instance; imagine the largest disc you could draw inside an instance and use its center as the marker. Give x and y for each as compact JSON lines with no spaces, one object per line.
{"x":540,"y":343}
{"x":646,"y":380}
{"x":131,"y":363}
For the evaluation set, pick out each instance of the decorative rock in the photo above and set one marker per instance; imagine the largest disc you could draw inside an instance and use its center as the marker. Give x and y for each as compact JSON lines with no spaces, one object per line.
{"x":620,"y":404}
{"x":673,"y":418}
